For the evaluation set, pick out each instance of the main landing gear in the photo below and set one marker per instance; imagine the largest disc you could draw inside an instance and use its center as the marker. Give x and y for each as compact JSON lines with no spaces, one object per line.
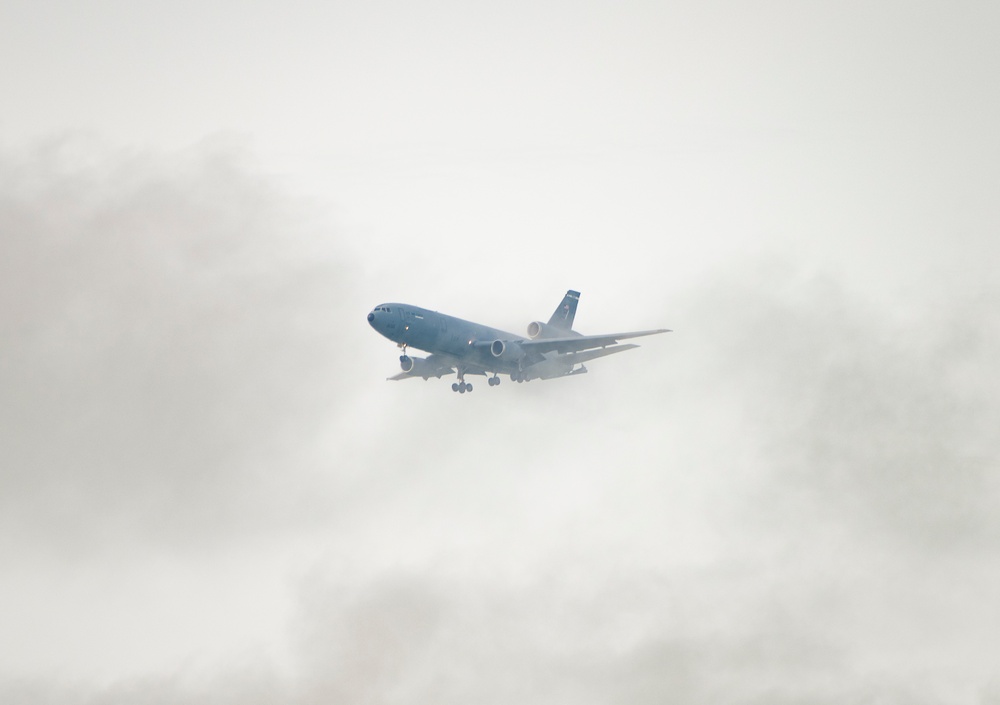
{"x":461,"y":386}
{"x":517,"y":377}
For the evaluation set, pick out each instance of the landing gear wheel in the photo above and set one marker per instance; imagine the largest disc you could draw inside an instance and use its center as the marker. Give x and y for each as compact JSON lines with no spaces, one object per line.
{"x":468,"y":386}
{"x":454,"y":386}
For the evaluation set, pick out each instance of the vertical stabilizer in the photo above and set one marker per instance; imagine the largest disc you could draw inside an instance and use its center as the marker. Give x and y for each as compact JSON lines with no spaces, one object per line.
{"x":563,"y":317}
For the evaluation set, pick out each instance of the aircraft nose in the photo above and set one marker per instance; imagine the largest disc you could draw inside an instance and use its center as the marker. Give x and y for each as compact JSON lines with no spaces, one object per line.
{"x":371,"y":317}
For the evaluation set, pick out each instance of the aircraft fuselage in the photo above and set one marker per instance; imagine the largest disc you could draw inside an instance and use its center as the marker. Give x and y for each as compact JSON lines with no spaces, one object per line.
{"x":461,"y":347}
{"x":440,"y":334}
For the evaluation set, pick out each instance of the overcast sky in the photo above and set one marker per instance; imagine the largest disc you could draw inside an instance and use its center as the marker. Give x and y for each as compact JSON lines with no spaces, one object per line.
{"x":209,"y":492}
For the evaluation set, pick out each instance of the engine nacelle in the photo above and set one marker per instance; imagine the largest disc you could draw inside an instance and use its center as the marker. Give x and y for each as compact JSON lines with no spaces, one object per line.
{"x":506,"y":350}
{"x":420,"y":367}
{"x":537,"y":329}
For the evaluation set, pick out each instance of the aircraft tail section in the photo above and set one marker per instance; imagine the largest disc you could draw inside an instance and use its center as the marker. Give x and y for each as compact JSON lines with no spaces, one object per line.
{"x":563,"y":317}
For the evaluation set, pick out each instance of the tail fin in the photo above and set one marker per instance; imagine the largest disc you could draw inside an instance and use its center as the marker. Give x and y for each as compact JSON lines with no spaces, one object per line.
{"x":564,"y":315}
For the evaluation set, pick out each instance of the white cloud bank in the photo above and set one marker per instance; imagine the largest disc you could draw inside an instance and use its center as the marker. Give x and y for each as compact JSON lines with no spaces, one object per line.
{"x":209,"y":493}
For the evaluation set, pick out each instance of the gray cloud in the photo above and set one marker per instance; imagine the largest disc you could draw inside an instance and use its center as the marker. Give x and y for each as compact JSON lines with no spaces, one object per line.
{"x":865,"y":420}
{"x":208,"y":492}
{"x":789,"y":499}
{"x":167,"y":325}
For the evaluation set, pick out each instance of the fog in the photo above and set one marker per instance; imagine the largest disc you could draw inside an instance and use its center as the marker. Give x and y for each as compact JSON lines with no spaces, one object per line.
{"x":211,"y":494}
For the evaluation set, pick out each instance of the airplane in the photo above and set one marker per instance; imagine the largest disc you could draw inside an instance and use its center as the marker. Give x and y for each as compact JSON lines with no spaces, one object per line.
{"x":460,"y":347}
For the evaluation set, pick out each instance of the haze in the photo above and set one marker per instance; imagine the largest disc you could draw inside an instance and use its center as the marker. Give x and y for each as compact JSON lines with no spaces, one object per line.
{"x":209,"y":492}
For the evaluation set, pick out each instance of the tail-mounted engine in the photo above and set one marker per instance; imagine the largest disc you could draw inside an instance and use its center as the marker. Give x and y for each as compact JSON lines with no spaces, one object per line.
{"x":537,"y":329}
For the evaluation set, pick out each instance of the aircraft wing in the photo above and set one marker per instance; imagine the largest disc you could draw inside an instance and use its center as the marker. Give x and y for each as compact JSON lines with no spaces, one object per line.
{"x":582,"y":342}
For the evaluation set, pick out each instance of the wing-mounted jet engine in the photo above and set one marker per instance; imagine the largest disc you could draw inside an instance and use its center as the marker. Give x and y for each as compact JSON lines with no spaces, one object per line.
{"x":420,"y":367}
{"x":507,"y":350}
{"x":511,"y":352}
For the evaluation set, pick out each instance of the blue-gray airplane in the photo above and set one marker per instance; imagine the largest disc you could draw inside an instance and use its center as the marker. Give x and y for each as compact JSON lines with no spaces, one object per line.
{"x":460,"y":347}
